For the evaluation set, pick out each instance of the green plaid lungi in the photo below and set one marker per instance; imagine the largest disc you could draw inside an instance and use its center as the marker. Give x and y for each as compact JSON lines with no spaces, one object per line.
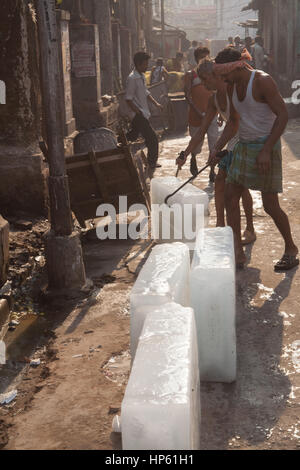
{"x":243,"y":169}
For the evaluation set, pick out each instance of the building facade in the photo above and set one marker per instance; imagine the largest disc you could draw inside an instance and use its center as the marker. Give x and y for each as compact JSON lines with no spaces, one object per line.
{"x":198,"y":18}
{"x":279,"y":26}
{"x":97,"y":40}
{"x":229,"y":15}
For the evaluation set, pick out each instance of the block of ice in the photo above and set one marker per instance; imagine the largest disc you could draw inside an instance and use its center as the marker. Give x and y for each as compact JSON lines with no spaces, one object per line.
{"x":163,"y":186}
{"x":213,"y":295}
{"x":189,"y":210}
{"x":161,"y":406}
{"x":164,"y":278}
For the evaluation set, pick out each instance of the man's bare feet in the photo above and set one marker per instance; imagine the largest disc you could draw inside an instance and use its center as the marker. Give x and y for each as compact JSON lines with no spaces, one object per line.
{"x":248,"y":237}
{"x":240,"y":260}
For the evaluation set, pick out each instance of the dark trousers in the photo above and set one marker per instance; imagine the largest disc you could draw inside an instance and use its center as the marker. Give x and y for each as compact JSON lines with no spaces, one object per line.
{"x":141,"y":125}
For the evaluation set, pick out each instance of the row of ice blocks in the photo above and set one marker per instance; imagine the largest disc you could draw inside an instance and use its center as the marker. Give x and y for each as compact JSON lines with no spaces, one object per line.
{"x":161,"y":406}
{"x":213,"y":298}
{"x":164,"y":278}
{"x":189,"y":210}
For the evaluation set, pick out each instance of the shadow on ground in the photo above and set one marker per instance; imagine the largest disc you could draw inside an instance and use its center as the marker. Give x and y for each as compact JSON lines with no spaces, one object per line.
{"x":247,"y":410}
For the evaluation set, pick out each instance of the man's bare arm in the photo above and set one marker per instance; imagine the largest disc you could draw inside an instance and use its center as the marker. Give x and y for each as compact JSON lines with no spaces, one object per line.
{"x":272,"y":97}
{"x":270,"y":94}
{"x":188,"y":93}
{"x":199,"y":136}
{"x":150,"y":98}
{"x":231,"y":127}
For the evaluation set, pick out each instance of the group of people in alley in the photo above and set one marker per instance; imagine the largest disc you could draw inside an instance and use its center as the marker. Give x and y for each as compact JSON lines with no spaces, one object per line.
{"x":229,"y":91}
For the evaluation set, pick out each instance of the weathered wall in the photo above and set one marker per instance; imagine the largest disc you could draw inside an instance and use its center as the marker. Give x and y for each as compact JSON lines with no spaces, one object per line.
{"x":280,"y":25}
{"x":20,"y":117}
{"x":22,"y":184}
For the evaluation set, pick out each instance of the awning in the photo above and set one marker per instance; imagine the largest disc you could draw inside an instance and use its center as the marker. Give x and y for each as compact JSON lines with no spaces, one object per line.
{"x":248,"y":24}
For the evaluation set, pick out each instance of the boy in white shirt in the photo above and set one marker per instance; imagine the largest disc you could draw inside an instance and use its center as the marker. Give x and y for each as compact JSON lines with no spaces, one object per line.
{"x":137,"y":97}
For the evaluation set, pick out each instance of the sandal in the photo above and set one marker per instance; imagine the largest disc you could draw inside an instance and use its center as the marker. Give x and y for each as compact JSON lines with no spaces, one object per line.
{"x":248,"y":237}
{"x":286,"y":263}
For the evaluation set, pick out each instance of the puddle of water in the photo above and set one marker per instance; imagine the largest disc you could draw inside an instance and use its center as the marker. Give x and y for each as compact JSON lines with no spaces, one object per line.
{"x":20,"y":342}
{"x":268,"y":292}
{"x":296,"y":355}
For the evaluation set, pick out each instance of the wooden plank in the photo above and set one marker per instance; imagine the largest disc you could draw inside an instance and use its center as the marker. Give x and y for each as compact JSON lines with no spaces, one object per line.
{"x":140,"y":167}
{"x":82,"y":163}
{"x":99,"y":178}
{"x":85,"y":156}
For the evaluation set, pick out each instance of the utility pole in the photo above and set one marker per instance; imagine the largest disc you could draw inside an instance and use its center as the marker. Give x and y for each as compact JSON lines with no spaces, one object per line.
{"x":163,"y":43}
{"x":63,"y":249}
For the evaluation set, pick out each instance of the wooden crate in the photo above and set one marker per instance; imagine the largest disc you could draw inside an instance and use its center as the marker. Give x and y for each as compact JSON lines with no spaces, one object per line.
{"x":101,"y":177}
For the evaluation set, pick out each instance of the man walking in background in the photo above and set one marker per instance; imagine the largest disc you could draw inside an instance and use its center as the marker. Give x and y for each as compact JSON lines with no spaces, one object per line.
{"x":191,"y":55}
{"x":176,"y":64}
{"x":258,"y":54}
{"x":238,"y":44}
{"x":137,"y":97}
{"x":159,"y":72}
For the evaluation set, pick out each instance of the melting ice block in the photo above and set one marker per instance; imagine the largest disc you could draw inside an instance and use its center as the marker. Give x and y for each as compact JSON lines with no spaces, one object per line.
{"x":191,"y":202}
{"x":161,"y":406}
{"x":164,"y":278}
{"x":213,"y":300}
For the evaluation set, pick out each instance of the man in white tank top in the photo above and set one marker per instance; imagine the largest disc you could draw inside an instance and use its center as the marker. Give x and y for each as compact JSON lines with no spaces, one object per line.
{"x":259,"y":114}
{"x":219,"y":103}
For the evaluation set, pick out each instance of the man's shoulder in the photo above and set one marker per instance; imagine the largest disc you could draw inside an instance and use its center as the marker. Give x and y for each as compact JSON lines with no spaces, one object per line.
{"x":134,"y":75}
{"x":263,"y":78}
{"x":264,"y":82}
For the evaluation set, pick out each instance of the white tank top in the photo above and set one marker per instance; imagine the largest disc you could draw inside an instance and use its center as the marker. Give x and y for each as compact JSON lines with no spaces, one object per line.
{"x":225,"y":115}
{"x":256,"y":119}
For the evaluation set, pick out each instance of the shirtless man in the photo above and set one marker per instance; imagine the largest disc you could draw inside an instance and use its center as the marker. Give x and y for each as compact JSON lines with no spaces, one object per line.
{"x":198,"y":97}
{"x":219,"y":103}
{"x":260,"y":116}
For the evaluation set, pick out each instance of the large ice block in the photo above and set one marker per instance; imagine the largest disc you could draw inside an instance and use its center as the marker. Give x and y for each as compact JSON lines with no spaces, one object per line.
{"x":164,"y":278}
{"x":213,"y":295}
{"x":161,"y":406}
{"x":191,"y":202}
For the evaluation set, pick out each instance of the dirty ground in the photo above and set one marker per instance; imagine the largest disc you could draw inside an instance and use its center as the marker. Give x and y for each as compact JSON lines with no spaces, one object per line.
{"x":70,"y":399}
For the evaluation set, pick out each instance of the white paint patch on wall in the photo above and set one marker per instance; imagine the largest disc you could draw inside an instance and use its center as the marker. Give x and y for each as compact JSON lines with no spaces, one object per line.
{"x":2,"y":92}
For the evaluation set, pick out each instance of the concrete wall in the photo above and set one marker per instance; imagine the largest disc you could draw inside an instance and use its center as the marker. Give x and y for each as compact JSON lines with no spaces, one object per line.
{"x":280,"y":26}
